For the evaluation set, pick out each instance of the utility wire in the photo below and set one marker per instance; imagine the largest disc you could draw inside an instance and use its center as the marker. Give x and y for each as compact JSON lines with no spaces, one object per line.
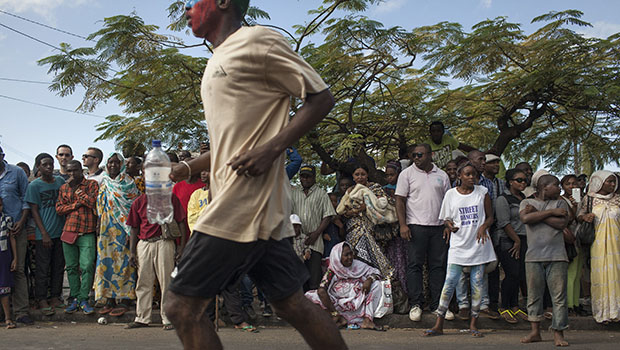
{"x":44,"y":25}
{"x":52,"y":107}
{"x":26,"y":81}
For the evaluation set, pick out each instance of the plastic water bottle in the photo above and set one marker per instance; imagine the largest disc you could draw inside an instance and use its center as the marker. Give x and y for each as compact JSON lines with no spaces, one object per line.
{"x":159,"y":208}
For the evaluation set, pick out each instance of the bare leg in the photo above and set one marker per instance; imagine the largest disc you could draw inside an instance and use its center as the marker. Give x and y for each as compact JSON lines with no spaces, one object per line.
{"x":437,"y":328}
{"x":318,"y":330}
{"x":534,"y":335}
{"x":192,"y":325}
{"x":6,"y":306}
{"x":558,"y":337}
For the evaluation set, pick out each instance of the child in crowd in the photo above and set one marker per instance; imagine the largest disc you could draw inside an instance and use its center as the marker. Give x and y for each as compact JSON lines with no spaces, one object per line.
{"x":8,"y":263}
{"x":301,"y":249}
{"x":545,"y":217}
{"x":198,"y":201}
{"x":335,"y":231}
{"x":468,"y":215}
{"x":392,"y":169}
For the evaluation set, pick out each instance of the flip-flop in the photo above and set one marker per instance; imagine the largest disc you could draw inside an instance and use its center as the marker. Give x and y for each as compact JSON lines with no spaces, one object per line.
{"x":249,"y":328}
{"x":430,"y":333}
{"x":376,"y":328}
{"x":133,"y":325}
{"x":48,"y":311}
{"x":508,"y":316}
{"x":476,"y":333}
{"x":118,"y":312}
{"x":10,"y":325}
{"x":353,"y":326}
{"x":106,"y":310}
{"x":522,"y":314}
{"x":168,"y":327}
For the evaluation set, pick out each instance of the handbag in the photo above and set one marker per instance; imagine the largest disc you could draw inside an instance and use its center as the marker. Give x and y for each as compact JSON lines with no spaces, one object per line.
{"x":585,"y":230}
{"x":385,"y":305}
{"x":69,"y":237}
{"x":170,"y":231}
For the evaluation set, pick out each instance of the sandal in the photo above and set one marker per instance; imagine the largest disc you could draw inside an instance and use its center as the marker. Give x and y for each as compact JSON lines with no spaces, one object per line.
{"x":118,"y":312}
{"x":106,"y":309}
{"x":10,"y":325}
{"x":476,"y":333}
{"x":353,"y":326}
{"x":431,"y":333}
{"x":133,"y":325}
{"x":522,"y":314}
{"x":168,"y":327}
{"x":48,"y":311}
{"x":248,"y":328}
{"x":508,"y":316}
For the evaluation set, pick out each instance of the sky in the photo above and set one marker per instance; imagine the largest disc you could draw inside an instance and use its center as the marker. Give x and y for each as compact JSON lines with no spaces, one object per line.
{"x":27,"y":128}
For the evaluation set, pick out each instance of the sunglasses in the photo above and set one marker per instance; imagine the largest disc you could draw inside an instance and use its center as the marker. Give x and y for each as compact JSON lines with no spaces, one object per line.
{"x":64,"y":154}
{"x":418,"y":155}
{"x":88,"y":156}
{"x":519,"y":180}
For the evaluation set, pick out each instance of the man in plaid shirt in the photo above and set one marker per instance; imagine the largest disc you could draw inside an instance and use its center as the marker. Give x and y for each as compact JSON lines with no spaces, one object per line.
{"x":77,"y":200}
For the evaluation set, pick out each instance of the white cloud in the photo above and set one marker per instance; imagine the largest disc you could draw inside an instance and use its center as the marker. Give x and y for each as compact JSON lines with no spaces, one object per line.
{"x":486,"y":3}
{"x":43,"y":8}
{"x":600,"y":29}
{"x":388,"y":6}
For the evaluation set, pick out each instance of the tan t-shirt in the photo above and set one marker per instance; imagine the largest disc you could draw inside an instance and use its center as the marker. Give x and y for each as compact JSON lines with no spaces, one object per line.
{"x":246,"y":91}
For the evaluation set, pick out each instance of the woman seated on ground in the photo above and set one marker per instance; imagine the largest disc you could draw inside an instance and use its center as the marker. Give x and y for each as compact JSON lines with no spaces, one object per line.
{"x":350,"y":290}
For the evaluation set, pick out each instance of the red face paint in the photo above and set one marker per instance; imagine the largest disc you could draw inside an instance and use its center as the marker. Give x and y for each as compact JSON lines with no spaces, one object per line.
{"x":203,"y":18}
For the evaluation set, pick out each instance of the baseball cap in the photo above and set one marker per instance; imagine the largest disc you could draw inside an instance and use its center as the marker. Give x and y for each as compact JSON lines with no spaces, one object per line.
{"x":307,"y":169}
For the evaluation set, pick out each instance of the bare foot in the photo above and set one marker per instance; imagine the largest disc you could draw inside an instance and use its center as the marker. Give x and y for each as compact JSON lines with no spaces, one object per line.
{"x":531,"y":338}
{"x":558,"y":338}
{"x":432,"y":332}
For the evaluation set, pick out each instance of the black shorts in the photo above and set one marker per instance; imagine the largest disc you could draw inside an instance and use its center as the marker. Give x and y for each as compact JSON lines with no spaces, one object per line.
{"x":210,"y":264}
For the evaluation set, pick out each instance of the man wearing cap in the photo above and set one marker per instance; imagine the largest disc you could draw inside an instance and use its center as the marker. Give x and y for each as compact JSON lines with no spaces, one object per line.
{"x":491,"y":169}
{"x":311,"y":203}
{"x":246,"y":91}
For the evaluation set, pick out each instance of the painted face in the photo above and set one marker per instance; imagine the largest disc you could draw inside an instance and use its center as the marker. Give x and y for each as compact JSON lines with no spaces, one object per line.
{"x":202,"y":17}
{"x":346,"y":258}
{"x":468,"y":177}
{"x":360,"y":176}
{"x":46,"y":167}
{"x":391,"y":176}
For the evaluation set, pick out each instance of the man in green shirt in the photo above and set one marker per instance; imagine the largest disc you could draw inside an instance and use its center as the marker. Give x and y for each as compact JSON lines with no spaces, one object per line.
{"x":442,"y":145}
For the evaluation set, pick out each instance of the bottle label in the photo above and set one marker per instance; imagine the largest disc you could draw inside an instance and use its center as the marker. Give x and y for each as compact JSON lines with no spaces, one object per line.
{"x":157,"y":174}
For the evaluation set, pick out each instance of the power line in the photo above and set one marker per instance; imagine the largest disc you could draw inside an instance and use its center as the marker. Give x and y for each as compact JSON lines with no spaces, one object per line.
{"x":26,"y":81}
{"x":52,"y":107}
{"x":45,"y":25}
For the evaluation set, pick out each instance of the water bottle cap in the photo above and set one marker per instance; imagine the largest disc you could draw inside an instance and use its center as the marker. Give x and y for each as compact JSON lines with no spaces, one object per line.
{"x":156,"y":143}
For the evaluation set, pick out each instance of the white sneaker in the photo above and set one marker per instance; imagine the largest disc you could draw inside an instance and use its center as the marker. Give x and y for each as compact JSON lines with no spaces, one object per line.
{"x":415,"y":314}
{"x":449,"y":316}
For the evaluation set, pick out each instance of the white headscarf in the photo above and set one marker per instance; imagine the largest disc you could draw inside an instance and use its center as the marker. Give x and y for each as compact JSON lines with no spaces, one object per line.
{"x":596,"y":183}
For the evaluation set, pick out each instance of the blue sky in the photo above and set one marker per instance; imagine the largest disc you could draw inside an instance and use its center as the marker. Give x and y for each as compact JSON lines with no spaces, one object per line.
{"x":26,"y":129}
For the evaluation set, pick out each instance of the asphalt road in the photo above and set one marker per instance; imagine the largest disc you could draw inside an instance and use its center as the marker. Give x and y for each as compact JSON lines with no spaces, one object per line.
{"x":112,"y":336}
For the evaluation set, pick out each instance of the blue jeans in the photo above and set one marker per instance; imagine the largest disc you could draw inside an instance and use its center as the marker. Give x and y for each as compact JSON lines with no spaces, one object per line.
{"x":554,"y":273}
{"x":462,"y":296}
{"x":453,"y":278}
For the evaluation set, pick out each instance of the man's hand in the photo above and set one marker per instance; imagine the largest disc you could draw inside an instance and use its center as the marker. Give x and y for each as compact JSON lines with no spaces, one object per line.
{"x":515,"y":251}
{"x":133,"y":260}
{"x":254,"y":162}
{"x":588,"y":217}
{"x":568,"y":236}
{"x":17,"y":228}
{"x":47,"y":241}
{"x":561,"y":212}
{"x":405,"y":232}
{"x":530,"y":209}
{"x":312,"y":237}
{"x":481,"y":235}
{"x":179,"y":172}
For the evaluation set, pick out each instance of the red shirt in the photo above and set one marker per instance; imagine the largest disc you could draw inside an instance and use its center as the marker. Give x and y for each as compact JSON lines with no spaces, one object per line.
{"x":184,"y":191}
{"x":137,"y":217}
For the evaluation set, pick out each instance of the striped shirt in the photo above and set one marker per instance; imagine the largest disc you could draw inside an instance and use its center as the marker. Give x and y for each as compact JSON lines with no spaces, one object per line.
{"x":312,"y":209}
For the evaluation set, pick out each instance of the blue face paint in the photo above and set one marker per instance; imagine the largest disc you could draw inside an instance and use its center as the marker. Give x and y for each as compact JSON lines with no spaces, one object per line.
{"x":190,"y":3}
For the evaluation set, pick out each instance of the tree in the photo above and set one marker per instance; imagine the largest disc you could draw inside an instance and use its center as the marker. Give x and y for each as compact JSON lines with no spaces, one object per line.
{"x":551,"y":94}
